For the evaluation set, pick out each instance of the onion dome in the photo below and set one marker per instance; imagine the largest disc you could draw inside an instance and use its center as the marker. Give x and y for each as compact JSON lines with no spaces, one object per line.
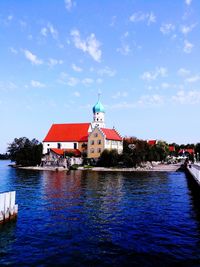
{"x":98,"y":107}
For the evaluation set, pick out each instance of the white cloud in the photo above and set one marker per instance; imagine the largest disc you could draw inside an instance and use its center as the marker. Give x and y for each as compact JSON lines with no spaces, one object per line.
{"x":188,"y":2}
{"x":77,"y":94}
{"x":151,"y":18}
{"x":23,"y":24}
{"x":193,"y":79}
{"x":165,"y":85}
{"x":49,"y":29}
{"x":120,"y":95}
{"x":37,"y":84}
{"x":44,"y":31}
{"x":99,"y":80}
{"x":91,"y":45}
{"x":151,"y":100}
{"x":53,"y":31}
{"x":76,"y":68}
{"x":188,"y":47}
{"x":52,"y":62}
{"x":140,"y":16}
{"x":113,"y":21}
{"x":69,"y":4}
{"x":87,"y":81}
{"x":121,"y":105}
{"x":65,"y":78}
{"x":167,"y":28}
{"x":186,"y":29}
{"x":190,"y":97}
{"x":183,"y":72}
{"x":32,"y":58}
{"x":151,"y":76}
{"x":8,"y":86}
{"x":30,"y":37}
{"x":7,"y":20}
{"x":124,"y":49}
{"x":107,"y":71}
{"x":72,"y":81}
{"x":13,"y":50}
{"x":10,"y":17}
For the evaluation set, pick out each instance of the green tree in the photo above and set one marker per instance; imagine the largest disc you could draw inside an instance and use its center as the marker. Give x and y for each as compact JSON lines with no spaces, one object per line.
{"x":109,"y":158}
{"x":25,"y":152}
{"x":135,"y":151}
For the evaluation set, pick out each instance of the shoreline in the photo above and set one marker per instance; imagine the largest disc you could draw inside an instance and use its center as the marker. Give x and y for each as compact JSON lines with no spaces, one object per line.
{"x":157,"y":168}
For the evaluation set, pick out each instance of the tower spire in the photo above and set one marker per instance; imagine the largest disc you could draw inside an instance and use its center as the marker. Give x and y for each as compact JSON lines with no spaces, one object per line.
{"x":99,"y":94}
{"x":98,"y":114}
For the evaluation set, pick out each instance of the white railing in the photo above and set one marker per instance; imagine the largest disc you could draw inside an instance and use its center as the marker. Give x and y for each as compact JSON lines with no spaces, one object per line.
{"x":8,"y":208}
{"x":195,"y":173}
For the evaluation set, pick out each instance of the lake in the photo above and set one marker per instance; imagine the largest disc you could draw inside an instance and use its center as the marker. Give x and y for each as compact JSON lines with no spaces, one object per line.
{"x":85,"y":218}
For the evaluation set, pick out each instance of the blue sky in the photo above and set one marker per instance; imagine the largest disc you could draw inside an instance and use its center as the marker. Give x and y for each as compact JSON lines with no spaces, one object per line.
{"x":142,"y":55}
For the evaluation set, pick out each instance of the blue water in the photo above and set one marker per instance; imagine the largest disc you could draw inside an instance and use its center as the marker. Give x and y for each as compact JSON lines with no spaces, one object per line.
{"x":100,"y":219}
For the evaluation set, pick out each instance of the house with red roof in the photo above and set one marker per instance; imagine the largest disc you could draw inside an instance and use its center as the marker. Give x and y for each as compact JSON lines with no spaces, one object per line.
{"x":103,"y":138}
{"x":152,"y":142}
{"x":89,"y":138}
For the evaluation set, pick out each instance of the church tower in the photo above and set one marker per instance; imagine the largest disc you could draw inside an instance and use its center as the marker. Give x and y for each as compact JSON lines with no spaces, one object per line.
{"x":98,"y":115}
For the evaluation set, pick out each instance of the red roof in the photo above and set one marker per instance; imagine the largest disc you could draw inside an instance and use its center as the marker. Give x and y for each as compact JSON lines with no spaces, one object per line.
{"x":171,"y":148}
{"x":68,"y":132}
{"x":151,"y":142}
{"x":189,"y":150}
{"x":111,"y":134}
{"x":61,"y":152}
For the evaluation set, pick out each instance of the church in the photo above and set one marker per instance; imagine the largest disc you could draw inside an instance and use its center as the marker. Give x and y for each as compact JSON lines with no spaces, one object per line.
{"x":89,"y":139}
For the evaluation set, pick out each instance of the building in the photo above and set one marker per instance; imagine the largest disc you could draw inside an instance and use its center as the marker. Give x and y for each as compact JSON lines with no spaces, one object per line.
{"x":103,"y":138}
{"x":67,"y":136}
{"x":78,"y":138}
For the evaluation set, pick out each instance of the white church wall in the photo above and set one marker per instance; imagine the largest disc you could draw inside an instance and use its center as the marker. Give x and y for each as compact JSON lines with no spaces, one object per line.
{"x":65,"y":145}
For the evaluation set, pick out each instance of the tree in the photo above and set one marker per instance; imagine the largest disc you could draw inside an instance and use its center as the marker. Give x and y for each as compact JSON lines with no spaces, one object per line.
{"x":135,"y":151}
{"x":109,"y":158}
{"x":25,"y":152}
{"x":4,"y":156}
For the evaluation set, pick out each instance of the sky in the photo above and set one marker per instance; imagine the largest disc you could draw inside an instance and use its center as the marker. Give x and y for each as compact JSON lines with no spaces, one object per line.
{"x":143,"y":56}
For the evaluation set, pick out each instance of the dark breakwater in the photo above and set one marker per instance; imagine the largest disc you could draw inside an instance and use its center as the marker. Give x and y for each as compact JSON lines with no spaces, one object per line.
{"x":100,"y":219}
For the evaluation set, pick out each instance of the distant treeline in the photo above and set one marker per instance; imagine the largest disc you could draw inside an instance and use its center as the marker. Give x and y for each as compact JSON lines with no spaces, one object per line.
{"x":4,"y":156}
{"x":136,"y":151}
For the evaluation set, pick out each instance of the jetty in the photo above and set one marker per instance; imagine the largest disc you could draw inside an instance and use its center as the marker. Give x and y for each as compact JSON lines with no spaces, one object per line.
{"x":8,"y":208}
{"x":194,"y":170}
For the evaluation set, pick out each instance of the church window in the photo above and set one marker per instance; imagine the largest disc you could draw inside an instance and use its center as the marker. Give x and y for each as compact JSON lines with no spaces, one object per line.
{"x":99,"y":150}
{"x":99,"y":142}
{"x":96,"y":134}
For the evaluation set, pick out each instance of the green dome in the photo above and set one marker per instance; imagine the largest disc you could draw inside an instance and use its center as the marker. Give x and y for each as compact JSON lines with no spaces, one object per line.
{"x":98,"y":108}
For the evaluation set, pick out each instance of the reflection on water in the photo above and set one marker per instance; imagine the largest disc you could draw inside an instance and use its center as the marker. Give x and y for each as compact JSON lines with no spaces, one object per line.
{"x":84,"y":218}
